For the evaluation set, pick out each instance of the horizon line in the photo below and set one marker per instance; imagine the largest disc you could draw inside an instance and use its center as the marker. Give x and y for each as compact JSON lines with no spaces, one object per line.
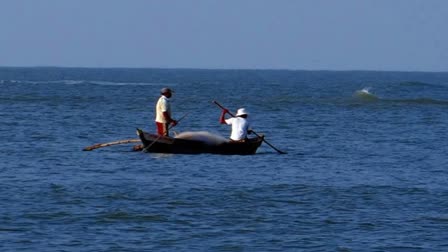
{"x":230,"y":69}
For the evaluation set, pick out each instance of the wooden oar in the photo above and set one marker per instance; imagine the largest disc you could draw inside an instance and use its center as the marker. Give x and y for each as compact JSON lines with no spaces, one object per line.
{"x":100,"y":145}
{"x":264,"y":140}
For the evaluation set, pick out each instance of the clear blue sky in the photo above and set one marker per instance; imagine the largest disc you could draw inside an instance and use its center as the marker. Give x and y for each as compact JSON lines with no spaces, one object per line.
{"x":409,"y":35}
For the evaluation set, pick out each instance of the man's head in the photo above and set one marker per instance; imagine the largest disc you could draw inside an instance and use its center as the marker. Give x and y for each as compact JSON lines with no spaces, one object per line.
{"x":166,"y":92}
{"x":242,"y":112}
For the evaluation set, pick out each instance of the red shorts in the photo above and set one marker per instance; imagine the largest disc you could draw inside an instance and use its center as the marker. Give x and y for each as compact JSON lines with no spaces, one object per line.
{"x":162,"y":129}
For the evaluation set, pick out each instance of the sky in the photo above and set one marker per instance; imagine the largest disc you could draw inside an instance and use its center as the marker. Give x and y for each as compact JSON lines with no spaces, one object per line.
{"x":391,"y":35}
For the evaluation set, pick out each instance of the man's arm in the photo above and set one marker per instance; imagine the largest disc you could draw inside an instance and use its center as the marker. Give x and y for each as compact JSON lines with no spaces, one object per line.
{"x":222,"y":118}
{"x":169,"y":119}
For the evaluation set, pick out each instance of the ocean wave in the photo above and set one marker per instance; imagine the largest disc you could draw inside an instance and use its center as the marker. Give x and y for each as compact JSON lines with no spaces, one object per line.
{"x":418,"y":84}
{"x":420,"y":101}
{"x":67,"y":82}
{"x":84,"y":82}
{"x":108,"y":83}
{"x":365,"y":95}
{"x":120,"y":215}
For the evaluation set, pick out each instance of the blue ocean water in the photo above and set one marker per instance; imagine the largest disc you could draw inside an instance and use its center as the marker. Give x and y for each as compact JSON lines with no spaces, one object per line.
{"x":366,"y":168}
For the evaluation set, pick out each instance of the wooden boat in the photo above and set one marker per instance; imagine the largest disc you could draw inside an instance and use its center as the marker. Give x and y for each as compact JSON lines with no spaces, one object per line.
{"x":162,"y":144}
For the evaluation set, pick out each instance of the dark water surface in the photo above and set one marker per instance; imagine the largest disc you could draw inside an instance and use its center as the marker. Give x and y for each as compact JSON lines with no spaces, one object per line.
{"x":365,"y":171}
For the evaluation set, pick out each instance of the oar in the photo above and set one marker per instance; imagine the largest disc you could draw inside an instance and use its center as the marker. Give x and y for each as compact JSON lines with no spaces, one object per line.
{"x":100,"y":145}
{"x":264,"y":140}
{"x":157,"y":139}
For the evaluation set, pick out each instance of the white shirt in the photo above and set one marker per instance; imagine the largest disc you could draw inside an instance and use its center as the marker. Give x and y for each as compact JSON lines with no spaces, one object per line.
{"x":163,"y":105}
{"x":239,"y":128}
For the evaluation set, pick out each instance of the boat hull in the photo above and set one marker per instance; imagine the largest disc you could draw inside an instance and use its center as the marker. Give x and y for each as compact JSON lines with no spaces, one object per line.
{"x":161,"y":144}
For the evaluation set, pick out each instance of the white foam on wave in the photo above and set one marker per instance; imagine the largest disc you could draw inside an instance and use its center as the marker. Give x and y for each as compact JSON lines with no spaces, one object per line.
{"x":365,"y":94}
{"x":66,"y":82}
{"x":203,"y":136}
{"x":72,"y":82}
{"x":108,"y":83}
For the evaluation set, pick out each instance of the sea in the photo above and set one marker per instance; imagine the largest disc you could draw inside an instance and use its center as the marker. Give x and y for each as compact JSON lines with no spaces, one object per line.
{"x":365,"y":167}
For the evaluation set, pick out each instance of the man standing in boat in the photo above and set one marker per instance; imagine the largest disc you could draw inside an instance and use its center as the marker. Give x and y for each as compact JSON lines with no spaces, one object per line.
{"x":240,"y":124}
{"x":163,"y":112}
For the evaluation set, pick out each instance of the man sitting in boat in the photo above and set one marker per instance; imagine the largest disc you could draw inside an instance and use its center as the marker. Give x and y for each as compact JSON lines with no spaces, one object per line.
{"x":240,"y":124}
{"x":163,"y":112}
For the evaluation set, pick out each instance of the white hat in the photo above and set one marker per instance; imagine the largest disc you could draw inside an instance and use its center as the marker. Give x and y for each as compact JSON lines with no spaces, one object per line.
{"x":241,"y":111}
